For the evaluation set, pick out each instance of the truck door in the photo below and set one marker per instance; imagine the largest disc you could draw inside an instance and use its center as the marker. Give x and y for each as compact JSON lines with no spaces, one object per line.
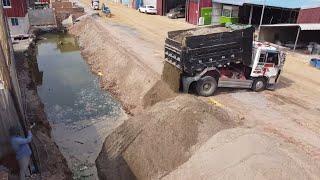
{"x":271,"y":66}
{"x":258,"y":63}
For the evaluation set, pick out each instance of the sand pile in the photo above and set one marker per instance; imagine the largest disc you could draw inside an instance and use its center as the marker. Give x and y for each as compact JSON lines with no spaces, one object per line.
{"x":156,"y":142}
{"x":121,"y":72}
{"x":199,"y":31}
{"x":246,"y":154}
{"x":171,"y":75}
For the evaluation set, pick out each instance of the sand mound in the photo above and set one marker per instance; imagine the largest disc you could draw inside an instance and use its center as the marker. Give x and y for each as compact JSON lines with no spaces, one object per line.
{"x":199,"y":31}
{"x":158,"y":141}
{"x":171,"y":75}
{"x":246,"y":154}
{"x":157,"y":93}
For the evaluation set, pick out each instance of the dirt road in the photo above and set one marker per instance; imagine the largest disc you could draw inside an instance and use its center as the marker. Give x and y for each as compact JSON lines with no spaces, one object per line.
{"x":291,"y":112}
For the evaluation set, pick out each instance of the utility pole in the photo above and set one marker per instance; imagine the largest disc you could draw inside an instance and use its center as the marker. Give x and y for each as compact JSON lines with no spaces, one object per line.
{"x":250,"y":18}
{"x":261,"y":19}
{"x":198,"y":12}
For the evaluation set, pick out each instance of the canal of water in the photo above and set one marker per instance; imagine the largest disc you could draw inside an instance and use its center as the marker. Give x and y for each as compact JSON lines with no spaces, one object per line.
{"x":80,"y":113}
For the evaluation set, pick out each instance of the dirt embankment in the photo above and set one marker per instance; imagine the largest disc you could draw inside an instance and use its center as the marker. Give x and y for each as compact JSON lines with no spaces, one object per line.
{"x":152,"y":144}
{"x":51,"y":162}
{"x":121,"y":71}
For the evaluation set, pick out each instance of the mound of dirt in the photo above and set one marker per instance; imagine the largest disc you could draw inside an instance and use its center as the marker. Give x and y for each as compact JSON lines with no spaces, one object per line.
{"x":247,"y":154}
{"x":171,"y":75}
{"x":156,"y":142}
{"x":157,"y":93}
{"x":200,"y":31}
{"x":122,"y":72}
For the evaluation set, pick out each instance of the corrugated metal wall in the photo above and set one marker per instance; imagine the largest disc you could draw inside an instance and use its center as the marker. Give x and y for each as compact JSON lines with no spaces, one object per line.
{"x":18,"y":9}
{"x":160,"y":4}
{"x":193,"y":8}
{"x":10,"y":95}
{"x":309,"y":15}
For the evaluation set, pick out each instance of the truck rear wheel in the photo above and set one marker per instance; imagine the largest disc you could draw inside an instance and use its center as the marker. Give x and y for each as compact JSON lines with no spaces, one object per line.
{"x":259,"y":84}
{"x":206,"y":86}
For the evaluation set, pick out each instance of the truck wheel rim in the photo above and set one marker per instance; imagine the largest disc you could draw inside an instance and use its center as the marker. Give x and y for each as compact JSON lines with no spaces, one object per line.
{"x":259,"y":85}
{"x":207,"y":86}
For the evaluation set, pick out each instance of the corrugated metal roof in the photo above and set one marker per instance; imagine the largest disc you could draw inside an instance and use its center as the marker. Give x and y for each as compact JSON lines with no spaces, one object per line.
{"x":290,"y":4}
{"x":304,"y":27}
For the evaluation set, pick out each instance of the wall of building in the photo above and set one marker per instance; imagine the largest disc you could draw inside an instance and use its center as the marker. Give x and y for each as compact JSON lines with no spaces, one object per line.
{"x":18,"y":8}
{"x":42,"y":17}
{"x":309,"y":15}
{"x":11,"y":108}
{"x":150,"y":2}
{"x":193,"y":9}
{"x":22,"y":28}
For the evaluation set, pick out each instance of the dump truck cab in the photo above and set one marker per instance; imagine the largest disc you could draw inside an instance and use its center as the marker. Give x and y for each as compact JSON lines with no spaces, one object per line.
{"x":267,"y":61}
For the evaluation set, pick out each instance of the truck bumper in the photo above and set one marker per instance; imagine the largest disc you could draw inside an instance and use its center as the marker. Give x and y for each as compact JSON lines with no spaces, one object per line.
{"x":272,"y":81}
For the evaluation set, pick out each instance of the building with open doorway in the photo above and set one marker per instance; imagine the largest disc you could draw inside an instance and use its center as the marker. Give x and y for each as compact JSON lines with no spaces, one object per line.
{"x":164,"y":6}
{"x":304,"y":37}
{"x":274,"y":11}
{"x":16,"y":12}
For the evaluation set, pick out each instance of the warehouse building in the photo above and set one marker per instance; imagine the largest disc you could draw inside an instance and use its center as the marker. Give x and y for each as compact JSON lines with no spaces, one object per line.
{"x":273,"y":11}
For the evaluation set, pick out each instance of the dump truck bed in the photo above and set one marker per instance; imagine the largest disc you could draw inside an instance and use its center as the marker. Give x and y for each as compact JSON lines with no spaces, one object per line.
{"x":192,"y":50}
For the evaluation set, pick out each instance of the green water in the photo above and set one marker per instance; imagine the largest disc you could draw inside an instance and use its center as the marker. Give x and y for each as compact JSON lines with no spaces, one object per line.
{"x":69,"y":91}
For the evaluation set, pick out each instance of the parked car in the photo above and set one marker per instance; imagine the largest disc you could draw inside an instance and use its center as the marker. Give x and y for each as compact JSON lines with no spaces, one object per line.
{"x":95,"y":4}
{"x":178,"y":12}
{"x":148,"y":9}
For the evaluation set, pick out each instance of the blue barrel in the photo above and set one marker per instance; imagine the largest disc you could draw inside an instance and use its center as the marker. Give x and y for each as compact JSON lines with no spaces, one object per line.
{"x":315,"y":62}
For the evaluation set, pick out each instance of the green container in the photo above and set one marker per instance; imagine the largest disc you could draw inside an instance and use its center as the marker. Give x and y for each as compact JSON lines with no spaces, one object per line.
{"x":206,"y":13}
{"x":224,"y":20}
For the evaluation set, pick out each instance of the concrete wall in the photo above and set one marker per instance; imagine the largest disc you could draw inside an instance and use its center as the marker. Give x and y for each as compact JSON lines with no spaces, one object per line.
{"x":42,"y":17}
{"x":22,"y":28}
{"x":11,"y":107}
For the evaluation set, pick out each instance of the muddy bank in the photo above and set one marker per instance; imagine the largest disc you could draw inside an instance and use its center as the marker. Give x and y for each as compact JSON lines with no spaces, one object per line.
{"x":51,"y":163}
{"x":122,"y":73}
{"x":157,"y":141}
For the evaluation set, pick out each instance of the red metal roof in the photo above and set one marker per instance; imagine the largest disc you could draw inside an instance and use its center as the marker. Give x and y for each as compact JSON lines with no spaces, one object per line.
{"x":18,"y":9}
{"x":309,"y":15}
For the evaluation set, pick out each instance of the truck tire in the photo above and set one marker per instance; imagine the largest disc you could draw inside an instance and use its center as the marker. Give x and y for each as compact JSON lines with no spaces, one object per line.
{"x":259,"y":84}
{"x":206,"y":86}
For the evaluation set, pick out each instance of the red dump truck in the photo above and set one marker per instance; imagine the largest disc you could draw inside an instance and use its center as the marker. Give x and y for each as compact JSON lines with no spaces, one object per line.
{"x":217,"y":56}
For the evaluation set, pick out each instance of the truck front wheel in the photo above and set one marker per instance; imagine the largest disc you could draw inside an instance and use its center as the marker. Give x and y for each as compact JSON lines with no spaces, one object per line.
{"x":206,"y":86}
{"x":259,"y":84}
